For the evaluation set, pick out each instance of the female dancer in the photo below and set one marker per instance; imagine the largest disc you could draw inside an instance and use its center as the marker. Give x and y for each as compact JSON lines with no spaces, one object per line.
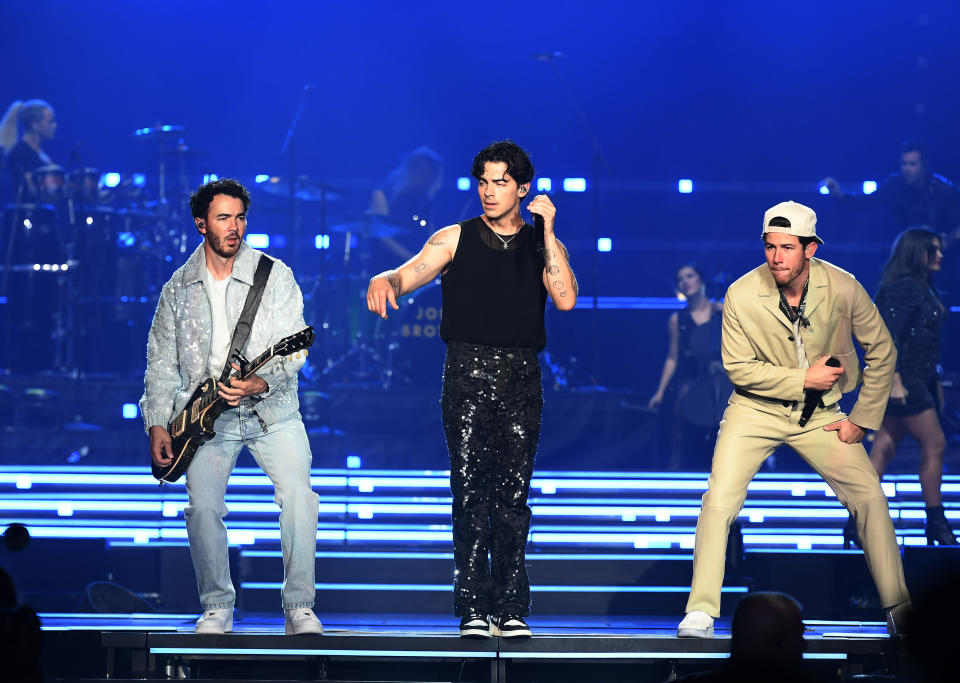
{"x":913,"y":311}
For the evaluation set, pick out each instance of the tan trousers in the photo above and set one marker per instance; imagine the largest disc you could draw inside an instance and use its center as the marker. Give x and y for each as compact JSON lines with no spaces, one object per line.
{"x":747,"y":437}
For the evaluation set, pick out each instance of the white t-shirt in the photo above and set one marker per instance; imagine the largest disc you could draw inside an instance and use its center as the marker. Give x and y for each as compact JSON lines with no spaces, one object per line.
{"x":220,"y":341}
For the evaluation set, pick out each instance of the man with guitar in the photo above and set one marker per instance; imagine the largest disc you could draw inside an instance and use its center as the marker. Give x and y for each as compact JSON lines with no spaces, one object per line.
{"x":497,"y":272}
{"x":193,"y":341}
{"x":787,"y":347}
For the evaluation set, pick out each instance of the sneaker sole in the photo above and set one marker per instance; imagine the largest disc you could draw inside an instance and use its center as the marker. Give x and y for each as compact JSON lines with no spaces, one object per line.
{"x":496,"y":632}
{"x":695,"y":632}
{"x":474,"y":633}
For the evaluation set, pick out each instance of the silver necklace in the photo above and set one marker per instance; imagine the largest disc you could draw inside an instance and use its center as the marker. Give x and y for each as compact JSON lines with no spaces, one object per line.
{"x":505,"y":242}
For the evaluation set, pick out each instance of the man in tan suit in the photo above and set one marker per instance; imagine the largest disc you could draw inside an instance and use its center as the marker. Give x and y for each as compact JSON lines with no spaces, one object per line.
{"x":782,"y":322}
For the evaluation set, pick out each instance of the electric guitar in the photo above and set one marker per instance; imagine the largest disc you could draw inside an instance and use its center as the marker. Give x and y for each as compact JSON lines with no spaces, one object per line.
{"x":193,"y":426}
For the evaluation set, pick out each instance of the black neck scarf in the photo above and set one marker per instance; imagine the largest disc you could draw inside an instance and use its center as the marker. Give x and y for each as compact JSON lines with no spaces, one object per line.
{"x":795,"y":313}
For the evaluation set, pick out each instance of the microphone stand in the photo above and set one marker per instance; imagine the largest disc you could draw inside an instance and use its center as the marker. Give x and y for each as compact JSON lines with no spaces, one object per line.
{"x":288,"y":145}
{"x":598,"y":160}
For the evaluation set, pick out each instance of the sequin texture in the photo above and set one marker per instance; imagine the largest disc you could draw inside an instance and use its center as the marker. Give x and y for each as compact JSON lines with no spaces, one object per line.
{"x":491,"y":406}
{"x":914,"y":315}
{"x":179,"y":339}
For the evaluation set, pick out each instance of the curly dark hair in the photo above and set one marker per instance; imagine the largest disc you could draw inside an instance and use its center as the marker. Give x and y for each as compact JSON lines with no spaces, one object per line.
{"x":201,"y":199}
{"x":909,"y":255}
{"x":518,"y":162}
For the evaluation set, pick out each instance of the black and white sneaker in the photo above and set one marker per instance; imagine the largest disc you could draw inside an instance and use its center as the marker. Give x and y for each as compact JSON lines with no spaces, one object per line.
{"x":509,"y":626}
{"x":474,"y":626}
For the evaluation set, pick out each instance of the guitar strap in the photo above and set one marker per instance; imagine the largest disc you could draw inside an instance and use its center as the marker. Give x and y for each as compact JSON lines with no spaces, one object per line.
{"x":250,"y":306}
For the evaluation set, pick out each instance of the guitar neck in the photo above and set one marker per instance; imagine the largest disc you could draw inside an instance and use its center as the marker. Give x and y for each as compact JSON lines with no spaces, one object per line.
{"x":256,"y":363}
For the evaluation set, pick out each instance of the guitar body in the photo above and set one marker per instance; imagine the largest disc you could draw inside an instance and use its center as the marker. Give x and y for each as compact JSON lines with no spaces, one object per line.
{"x":193,"y":426}
{"x":190,"y":429}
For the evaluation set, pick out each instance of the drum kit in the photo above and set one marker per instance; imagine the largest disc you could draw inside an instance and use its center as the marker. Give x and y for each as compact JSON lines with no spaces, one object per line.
{"x":361,"y":348}
{"x":86,"y":253}
{"x":84,"y":256}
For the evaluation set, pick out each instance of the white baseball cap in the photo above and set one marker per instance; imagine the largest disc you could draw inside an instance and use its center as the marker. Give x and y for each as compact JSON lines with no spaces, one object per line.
{"x":791,"y":218}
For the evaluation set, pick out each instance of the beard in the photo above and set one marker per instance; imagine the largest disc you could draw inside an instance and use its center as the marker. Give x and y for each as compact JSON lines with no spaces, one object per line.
{"x":220,"y":246}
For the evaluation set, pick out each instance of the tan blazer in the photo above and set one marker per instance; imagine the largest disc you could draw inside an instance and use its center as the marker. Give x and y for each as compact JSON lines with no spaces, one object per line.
{"x":760,"y":356}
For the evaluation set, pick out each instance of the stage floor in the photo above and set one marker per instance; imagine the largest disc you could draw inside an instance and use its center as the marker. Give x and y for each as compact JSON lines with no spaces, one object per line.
{"x":418,"y":647}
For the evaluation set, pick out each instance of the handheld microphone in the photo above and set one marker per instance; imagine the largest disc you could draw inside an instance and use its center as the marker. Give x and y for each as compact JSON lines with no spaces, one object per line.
{"x":812,"y":397}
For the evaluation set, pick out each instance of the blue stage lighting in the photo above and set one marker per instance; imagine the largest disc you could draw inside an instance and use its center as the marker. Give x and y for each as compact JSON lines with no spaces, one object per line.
{"x":110,"y":179}
{"x":130,"y":411}
{"x":321,"y":241}
{"x":869,"y":186}
{"x":684,"y":186}
{"x":139,"y":179}
{"x":126,"y":239}
{"x":353,"y":462}
{"x":604,"y":244}
{"x":278,"y":241}
{"x":463,"y":183}
{"x":544,"y":185}
{"x":210,"y":177}
{"x":574,"y":184}
{"x":261,"y":178}
{"x":258,"y":240}
{"x":824,"y":189}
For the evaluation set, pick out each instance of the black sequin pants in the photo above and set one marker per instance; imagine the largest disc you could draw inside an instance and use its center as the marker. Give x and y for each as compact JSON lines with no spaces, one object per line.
{"x":491,"y":406}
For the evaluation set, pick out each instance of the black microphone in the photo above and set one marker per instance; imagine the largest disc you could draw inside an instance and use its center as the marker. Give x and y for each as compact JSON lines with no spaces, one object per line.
{"x":812,"y":396}
{"x":545,"y":56}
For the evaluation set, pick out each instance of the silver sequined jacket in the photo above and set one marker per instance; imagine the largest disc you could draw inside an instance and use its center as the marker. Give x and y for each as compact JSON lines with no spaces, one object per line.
{"x":179,"y":342}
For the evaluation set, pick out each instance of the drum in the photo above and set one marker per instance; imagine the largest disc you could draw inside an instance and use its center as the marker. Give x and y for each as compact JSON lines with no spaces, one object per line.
{"x":96,"y":250}
{"x":83,"y":185}
{"x":33,"y":282}
{"x":49,"y":183}
{"x":31,"y":236}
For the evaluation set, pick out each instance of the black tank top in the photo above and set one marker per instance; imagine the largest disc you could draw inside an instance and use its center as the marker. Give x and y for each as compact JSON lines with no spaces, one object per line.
{"x":495,"y":297}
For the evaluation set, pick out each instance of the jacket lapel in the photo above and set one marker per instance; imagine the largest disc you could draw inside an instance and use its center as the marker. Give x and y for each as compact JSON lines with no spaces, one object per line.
{"x":817,"y":289}
{"x":770,"y":297}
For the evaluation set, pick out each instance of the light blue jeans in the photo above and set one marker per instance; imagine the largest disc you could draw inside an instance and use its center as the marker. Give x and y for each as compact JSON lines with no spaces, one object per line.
{"x":283,"y":453}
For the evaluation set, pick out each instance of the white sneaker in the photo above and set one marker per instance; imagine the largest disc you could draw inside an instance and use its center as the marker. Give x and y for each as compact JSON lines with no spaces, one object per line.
{"x":215,"y":621}
{"x":301,"y":620}
{"x":696,"y":624}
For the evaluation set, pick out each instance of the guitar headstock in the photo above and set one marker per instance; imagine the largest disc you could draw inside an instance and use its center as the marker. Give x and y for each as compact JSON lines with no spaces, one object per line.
{"x":300,"y":341}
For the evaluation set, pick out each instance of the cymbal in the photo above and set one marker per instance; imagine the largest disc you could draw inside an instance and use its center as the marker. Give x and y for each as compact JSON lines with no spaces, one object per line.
{"x":373,"y":226}
{"x":154,"y":132}
{"x":308,"y":189}
{"x":184,"y":151}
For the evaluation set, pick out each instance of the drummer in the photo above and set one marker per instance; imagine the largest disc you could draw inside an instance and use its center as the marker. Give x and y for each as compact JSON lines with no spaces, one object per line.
{"x":405,"y":199}
{"x":23,"y":130}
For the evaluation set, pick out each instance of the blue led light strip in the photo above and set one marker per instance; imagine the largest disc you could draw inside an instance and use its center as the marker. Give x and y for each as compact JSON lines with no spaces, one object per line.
{"x":285,"y":652}
{"x":444,"y":587}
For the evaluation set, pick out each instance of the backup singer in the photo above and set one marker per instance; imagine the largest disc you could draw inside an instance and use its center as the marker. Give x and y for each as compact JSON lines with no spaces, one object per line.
{"x":497,"y":272}
{"x":781,"y":324}
{"x":189,"y":341}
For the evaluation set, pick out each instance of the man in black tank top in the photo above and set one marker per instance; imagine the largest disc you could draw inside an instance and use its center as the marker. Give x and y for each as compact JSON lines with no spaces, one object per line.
{"x":497,"y":272}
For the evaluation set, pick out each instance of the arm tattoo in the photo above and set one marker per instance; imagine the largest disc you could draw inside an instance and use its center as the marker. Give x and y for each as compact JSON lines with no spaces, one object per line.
{"x":436,"y":241}
{"x":553,"y":270}
{"x":558,"y":284}
{"x":394,"y":280}
{"x":420,"y":267}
